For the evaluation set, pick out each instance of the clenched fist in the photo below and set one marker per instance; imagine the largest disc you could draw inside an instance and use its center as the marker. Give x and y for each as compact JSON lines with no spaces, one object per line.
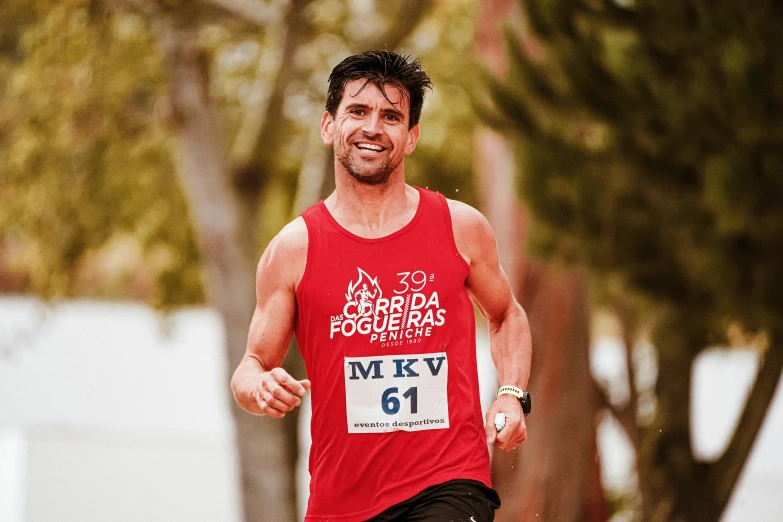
{"x":272,"y":392}
{"x":278,"y":393}
{"x":514,"y":431}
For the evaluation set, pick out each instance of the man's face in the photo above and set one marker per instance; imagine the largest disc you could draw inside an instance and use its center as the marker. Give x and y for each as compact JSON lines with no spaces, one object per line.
{"x":370,"y":135}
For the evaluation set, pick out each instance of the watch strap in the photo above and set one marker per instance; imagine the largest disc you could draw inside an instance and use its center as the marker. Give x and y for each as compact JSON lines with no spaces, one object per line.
{"x":511,"y":390}
{"x":523,"y":396}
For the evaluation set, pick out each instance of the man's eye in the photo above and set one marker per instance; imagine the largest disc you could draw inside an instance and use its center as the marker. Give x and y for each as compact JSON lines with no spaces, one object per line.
{"x":358,"y":112}
{"x":392,"y":117}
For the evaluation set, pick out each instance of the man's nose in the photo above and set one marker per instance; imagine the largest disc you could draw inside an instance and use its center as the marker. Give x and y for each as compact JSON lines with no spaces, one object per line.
{"x":372,"y":124}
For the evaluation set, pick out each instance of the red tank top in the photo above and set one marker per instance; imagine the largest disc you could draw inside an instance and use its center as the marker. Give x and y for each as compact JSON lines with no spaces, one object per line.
{"x":387,"y":333}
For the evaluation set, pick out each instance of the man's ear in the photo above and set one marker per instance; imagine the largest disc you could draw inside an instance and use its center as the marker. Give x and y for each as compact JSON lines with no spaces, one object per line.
{"x":413,"y":139}
{"x":327,"y":123}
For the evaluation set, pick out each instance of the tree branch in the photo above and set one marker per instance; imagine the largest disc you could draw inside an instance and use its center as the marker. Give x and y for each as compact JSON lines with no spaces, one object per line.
{"x":200,"y":160}
{"x":258,"y":133}
{"x":724,"y":473}
{"x":625,"y":416}
{"x":311,"y":173}
{"x":250,"y":11}
{"x":143,"y":7}
{"x":250,"y":127}
{"x":627,"y":332}
{"x":611,"y":11}
{"x":408,"y":16}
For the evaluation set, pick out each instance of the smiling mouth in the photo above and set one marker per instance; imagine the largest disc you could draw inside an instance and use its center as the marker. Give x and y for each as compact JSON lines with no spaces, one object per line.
{"x":370,"y":147}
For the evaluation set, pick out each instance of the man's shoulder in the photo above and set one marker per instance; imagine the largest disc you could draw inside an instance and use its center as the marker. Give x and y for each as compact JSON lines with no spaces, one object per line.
{"x":286,"y":254}
{"x":466,"y":219}
{"x":291,"y":240}
{"x":472,"y":232}
{"x":294,"y":234}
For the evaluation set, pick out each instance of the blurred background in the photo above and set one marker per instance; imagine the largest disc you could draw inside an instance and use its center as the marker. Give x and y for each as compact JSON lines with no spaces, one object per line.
{"x":628,"y":153}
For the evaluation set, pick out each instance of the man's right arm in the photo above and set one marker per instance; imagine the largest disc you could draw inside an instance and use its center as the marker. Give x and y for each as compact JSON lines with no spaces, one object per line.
{"x":260,"y":385}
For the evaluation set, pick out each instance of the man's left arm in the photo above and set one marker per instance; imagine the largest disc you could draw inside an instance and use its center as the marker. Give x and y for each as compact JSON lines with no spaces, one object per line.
{"x":509,"y":331}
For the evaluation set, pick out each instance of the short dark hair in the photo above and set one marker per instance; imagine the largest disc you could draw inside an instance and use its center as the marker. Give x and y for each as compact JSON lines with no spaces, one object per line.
{"x":380,"y":68}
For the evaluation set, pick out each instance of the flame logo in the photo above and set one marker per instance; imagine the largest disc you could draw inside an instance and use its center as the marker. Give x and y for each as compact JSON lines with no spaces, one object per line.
{"x":360,"y":295}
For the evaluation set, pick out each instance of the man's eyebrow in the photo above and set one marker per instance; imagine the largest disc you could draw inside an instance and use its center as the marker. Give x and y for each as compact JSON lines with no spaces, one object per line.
{"x":394,"y":111}
{"x":385,"y":110}
{"x":356,"y":106}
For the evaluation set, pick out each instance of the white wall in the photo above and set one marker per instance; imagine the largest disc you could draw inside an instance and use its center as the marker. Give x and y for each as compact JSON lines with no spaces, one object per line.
{"x":88,"y":475}
{"x":13,"y":468}
{"x":115,"y":366}
{"x":116,"y":414}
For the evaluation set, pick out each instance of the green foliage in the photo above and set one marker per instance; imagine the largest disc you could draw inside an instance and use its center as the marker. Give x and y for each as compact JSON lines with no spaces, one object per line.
{"x":444,"y":156}
{"x":90,"y":204}
{"x":652,"y":140}
{"x":85,"y":159}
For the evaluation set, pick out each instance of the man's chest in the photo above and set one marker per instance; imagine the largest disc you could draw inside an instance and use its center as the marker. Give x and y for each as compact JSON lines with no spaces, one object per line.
{"x":370,"y":307}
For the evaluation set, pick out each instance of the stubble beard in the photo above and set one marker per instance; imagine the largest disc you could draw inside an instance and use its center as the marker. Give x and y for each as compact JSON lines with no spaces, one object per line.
{"x":365,"y":175}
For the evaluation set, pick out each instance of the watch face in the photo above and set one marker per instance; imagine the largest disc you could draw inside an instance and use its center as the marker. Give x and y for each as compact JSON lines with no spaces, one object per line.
{"x":526,"y":404}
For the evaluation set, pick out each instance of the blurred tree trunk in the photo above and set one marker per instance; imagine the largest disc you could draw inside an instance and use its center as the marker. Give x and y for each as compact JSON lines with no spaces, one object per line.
{"x":224,"y":209}
{"x":555,"y":475}
{"x":675,"y":485}
{"x":669,"y":476}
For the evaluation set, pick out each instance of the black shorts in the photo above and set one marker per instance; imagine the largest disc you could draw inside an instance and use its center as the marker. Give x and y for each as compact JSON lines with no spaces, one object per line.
{"x":452,"y":501}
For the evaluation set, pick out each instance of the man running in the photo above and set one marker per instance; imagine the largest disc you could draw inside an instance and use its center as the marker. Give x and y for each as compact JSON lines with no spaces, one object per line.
{"x":397,"y":427}
{"x":365,"y":305}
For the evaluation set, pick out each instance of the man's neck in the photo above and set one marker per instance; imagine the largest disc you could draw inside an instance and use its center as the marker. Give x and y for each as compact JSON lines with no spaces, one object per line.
{"x":372,"y":211}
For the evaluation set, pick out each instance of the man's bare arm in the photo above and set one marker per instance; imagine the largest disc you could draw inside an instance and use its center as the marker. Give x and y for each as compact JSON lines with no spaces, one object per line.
{"x":509,"y":331}
{"x":259,"y":383}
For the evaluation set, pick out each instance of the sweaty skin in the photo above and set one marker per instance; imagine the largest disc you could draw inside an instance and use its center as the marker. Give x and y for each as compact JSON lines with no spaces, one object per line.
{"x":371,"y":138}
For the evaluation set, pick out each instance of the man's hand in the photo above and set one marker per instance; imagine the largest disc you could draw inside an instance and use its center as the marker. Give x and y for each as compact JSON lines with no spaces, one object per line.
{"x":514,"y":432}
{"x":277,"y":393}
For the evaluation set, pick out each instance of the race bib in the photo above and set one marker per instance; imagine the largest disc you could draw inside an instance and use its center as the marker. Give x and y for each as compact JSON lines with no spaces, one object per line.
{"x":397,"y":392}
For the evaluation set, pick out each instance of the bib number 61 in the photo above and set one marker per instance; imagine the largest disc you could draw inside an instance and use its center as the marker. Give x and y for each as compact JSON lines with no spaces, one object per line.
{"x":391,"y":404}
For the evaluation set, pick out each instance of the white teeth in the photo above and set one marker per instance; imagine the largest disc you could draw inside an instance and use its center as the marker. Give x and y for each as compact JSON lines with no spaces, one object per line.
{"x":367,"y":146}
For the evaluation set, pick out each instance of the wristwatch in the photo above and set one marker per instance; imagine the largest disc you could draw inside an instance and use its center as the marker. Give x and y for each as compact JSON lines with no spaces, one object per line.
{"x":523,"y":396}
